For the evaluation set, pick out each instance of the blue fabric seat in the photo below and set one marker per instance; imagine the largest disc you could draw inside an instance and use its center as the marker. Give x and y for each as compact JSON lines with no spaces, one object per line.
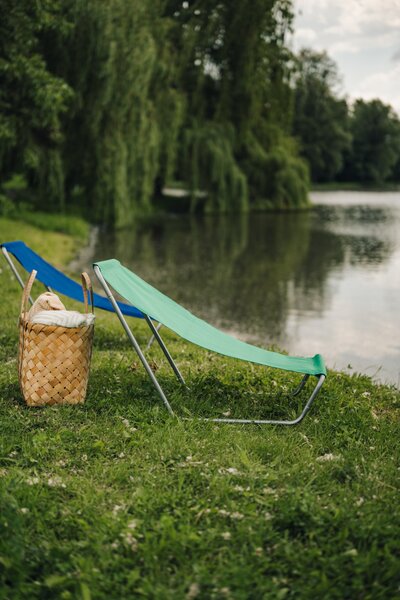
{"x":57,"y":281}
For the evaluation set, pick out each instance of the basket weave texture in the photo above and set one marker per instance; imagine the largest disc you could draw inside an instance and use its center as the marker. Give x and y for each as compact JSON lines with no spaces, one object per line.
{"x":54,"y":361}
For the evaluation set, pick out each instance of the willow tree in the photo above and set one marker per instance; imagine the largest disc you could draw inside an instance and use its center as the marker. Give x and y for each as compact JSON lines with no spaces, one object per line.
{"x":234,"y":71}
{"x":32,"y":98}
{"x":114,"y":62}
{"x":128,"y":95}
{"x":168,"y":90}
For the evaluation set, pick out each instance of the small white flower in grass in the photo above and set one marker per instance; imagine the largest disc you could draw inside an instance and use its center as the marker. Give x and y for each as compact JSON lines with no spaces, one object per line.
{"x":194,"y":591}
{"x":24,"y":510}
{"x":132,"y":524}
{"x":360,"y":501}
{"x":114,"y":545}
{"x":189,"y":462}
{"x":366,"y":394}
{"x":117,"y":508}
{"x":238,"y":488}
{"x":55,"y":482}
{"x":32,"y":480}
{"x":205,"y":511}
{"x":351,"y":552}
{"x":130,"y":541}
{"x":84,"y":457}
{"x":267,"y":516}
{"x":327,"y":457}
{"x":226,"y":535}
{"x":258,"y":551}
{"x":227,"y":413}
{"x":223,"y":513}
{"x":121,"y":455}
{"x":237,"y":516}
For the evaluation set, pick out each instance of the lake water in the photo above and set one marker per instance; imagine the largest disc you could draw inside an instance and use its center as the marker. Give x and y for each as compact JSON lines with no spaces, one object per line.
{"x":325,"y":280}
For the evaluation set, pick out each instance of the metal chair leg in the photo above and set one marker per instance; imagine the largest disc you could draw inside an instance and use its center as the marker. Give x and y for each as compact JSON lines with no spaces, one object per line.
{"x":165,"y":349}
{"x":132,"y":339}
{"x":153,"y":337}
{"x":17,"y":275}
{"x":300,"y":386}
{"x":14,"y":270}
{"x":295,"y":421}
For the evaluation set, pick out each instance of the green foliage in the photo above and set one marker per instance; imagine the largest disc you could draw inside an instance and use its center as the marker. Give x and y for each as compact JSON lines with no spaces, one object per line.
{"x":320,"y":120}
{"x":356,"y":144}
{"x":117,"y":98}
{"x":72,"y":225}
{"x":237,"y":76}
{"x":32,"y":99}
{"x":213,"y":167}
{"x":13,"y":195}
{"x":375,"y":147}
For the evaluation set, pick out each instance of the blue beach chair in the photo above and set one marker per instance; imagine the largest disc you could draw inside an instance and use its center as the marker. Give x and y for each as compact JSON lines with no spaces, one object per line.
{"x":54,"y":280}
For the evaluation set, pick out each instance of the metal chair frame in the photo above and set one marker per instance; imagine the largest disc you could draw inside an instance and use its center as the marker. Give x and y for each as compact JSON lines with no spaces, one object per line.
{"x":156,"y":335}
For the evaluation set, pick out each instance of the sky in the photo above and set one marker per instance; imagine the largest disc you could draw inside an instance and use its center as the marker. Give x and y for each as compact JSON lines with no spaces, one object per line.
{"x":363,"y":38}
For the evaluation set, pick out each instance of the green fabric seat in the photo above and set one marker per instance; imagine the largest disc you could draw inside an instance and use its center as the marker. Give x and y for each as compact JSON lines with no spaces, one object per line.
{"x":164,"y":310}
{"x":157,"y":307}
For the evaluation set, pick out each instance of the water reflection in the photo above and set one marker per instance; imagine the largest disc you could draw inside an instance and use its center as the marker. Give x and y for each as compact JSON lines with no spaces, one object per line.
{"x":319,"y":281}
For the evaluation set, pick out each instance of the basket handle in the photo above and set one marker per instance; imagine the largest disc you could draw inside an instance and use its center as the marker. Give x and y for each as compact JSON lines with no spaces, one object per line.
{"x":27,"y":292}
{"x":87,"y":287}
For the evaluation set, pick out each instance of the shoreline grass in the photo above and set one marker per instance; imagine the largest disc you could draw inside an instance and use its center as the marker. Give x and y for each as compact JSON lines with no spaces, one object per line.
{"x":115,"y":499}
{"x":349,"y":186}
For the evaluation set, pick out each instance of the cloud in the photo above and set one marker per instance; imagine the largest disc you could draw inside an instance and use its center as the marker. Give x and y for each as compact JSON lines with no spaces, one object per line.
{"x":352,"y":16}
{"x":383,"y":85}
{"x":362,"y":36}
{"x":341,"y":18}
{"x":305,"y":35}
{"x":346,"y":46}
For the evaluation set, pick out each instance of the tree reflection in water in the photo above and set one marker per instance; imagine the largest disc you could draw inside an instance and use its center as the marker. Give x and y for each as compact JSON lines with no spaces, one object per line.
{"x":260,"y":274}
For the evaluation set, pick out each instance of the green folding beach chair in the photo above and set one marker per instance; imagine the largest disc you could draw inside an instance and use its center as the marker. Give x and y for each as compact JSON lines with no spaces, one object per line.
{"x":157,"y":307}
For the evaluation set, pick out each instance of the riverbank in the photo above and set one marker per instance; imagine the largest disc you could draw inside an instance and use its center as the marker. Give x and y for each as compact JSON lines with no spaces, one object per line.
{"x":339,"y":186}
{"x":114,"y":499}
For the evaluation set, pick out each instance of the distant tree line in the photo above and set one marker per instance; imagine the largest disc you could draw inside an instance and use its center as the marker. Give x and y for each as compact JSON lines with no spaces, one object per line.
{"x":344,"y":142}
{"x":105,"y":102}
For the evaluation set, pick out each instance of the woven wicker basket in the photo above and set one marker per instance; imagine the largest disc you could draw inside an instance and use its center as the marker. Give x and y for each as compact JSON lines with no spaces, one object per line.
{"x":53,"y":361}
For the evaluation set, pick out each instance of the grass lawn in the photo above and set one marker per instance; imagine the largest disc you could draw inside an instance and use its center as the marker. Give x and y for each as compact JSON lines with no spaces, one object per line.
{"x":114,"y":499}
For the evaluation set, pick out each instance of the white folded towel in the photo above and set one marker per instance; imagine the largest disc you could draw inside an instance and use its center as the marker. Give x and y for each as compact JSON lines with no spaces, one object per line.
{"x":63,"y":318}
